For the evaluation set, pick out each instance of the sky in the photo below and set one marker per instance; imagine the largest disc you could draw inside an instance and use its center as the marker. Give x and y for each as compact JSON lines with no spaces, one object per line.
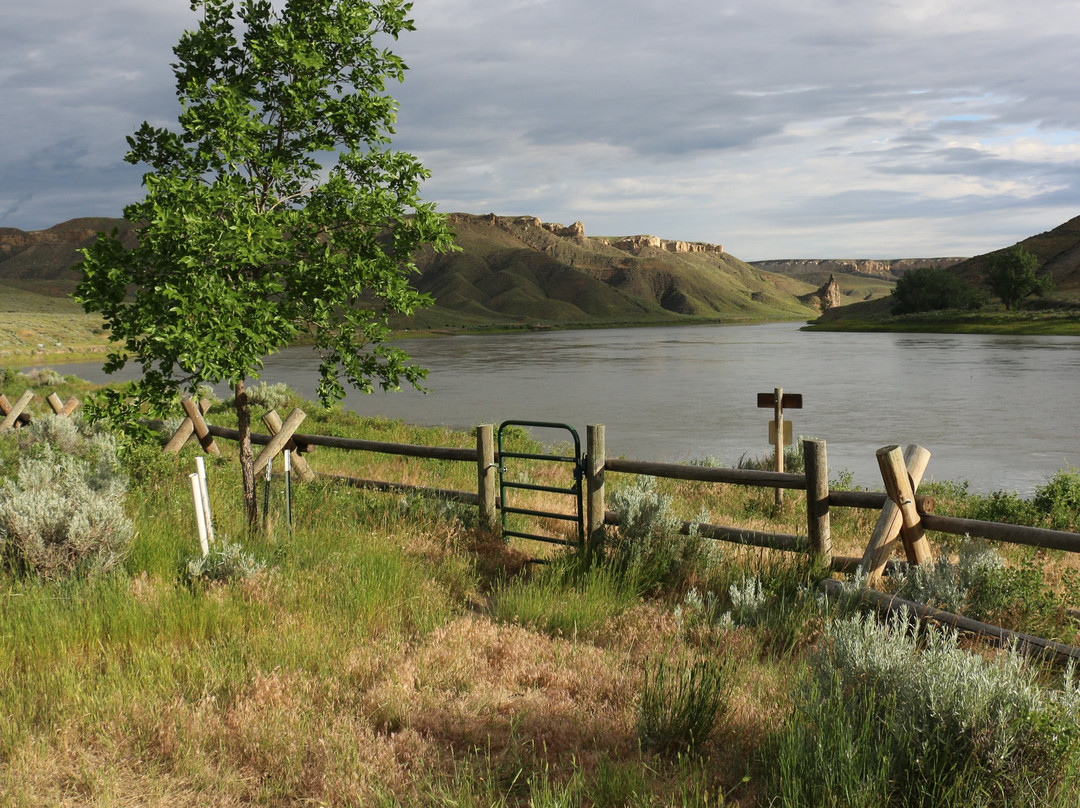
{"x":778,"y":128}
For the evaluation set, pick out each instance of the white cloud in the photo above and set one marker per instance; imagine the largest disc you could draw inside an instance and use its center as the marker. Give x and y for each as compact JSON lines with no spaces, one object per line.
{"x":776,"y":127}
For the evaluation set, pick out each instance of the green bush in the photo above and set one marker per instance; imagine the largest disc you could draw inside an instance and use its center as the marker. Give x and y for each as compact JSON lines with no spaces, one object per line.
{"x":64,"y":510}
{"x":648,"y":546}
{"x":892,"y":716}
{"x":681,"y":701}
{"x":226,"y":562}
{"x":1058,"y":502}
{"x":932,"y":289}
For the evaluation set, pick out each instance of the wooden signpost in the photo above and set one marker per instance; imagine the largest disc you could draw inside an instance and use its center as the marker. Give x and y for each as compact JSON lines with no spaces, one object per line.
{"x":779,"y":429}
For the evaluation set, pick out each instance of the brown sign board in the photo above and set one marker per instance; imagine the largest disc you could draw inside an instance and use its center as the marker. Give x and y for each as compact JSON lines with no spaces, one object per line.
{"x":789,"y":401}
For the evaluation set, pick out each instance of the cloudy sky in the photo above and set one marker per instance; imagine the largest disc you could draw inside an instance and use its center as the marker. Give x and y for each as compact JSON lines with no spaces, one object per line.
{"x":779,"y":128}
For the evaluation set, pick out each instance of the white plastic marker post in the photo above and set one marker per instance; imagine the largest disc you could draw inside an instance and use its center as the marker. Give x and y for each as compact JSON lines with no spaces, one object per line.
{"x":200,"y":466}
{"x":266,"y":495}
{"x":200,"y":518}
{"x":288,"y":488}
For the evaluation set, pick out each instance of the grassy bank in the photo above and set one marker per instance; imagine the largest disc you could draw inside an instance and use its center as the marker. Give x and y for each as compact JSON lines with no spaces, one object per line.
{"x":388,"y":651}
{"x":1063,"y":319}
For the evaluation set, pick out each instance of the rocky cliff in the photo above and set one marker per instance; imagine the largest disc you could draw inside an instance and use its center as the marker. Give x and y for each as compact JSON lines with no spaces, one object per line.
{"x":822,"y":267}
{"x":631,"y":244}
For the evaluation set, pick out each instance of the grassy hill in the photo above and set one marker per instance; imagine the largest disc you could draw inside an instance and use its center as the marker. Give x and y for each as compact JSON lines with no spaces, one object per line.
{"x":516,"y":271}
{"x":511,"y":272}
{"x":1058,"y":251}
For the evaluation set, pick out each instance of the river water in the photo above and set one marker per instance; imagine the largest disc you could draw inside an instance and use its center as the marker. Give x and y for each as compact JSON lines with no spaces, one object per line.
{"x":997,"y":411}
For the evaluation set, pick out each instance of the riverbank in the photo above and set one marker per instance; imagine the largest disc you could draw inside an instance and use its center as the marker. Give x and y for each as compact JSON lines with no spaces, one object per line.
{"x":1058,"y":319}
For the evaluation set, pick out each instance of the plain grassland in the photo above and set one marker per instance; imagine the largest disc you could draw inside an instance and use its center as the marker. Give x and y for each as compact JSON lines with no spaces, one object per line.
{"x":391,"y":652}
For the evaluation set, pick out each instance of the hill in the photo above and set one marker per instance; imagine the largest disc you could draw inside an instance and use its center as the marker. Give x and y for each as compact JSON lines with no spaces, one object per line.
{"x":512,"y":271}
{"x":1058,"y":251}
{"x":43,"y":260}
{"x":519,"y":270}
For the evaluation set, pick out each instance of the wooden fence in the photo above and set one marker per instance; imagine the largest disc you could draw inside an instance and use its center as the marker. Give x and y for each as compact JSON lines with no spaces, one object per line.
{"x":904,"y":515}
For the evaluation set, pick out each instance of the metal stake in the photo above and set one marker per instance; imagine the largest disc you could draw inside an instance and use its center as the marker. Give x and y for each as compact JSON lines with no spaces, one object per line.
{"x":288,"y":489}
{"x":266,"y":499}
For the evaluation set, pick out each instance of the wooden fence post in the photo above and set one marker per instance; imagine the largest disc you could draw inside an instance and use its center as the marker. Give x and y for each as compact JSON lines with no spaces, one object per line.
{"x":485,"y":474}
{"x":63,"y":408}
{"x":185,"y":430}
{"x":887,"y":530}
{"x":194,"y":413}
{"x":818,"y":526}
{"x":278,"y":441}
{"x":70,"y":406}
{"x":303,"y":470}
{"x":15,"y":410}
{"x":900,"y":490}
{"x":596,"y":457}
{"x":778,"y":443}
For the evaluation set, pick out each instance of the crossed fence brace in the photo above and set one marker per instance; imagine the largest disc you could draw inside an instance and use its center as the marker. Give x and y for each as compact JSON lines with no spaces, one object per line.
{"x":15,"y":414}
{"x":281,"y":436}
{"x":899,"y":519}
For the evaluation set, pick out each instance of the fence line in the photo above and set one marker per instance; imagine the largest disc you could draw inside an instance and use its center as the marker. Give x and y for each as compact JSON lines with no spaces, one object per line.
{"x":905,"y":515}
{"x":870,"y":500}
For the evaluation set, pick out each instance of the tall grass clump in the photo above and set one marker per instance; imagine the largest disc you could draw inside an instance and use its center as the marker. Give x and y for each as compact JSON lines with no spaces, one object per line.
{"x":681,"y":700}
{"x":648,"y":547}
{"x":64,"y":509}
{"x":890,"y":716}
{"x":571,"y":597}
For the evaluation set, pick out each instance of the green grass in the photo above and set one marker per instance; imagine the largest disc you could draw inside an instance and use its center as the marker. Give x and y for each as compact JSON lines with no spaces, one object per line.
{"x":393,"y":653}
{"x":991,"y":320}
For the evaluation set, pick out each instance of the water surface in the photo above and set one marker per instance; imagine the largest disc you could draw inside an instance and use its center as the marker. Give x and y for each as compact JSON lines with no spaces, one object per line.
{"x":998,"y":411}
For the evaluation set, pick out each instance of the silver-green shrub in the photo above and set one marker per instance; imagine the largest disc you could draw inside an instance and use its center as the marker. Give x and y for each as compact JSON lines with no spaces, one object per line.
{"x":226,"y":561}
{"x":64,"y":509}
{"x":58,"y":430}
{"x":916,"y":720}
{"x":648,"y":544}
{"x":268,"y":396}
{"x":973,"y":583}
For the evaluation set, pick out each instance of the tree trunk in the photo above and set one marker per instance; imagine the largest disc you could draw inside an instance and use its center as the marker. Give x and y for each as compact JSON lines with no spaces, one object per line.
{"x":247,"y":456}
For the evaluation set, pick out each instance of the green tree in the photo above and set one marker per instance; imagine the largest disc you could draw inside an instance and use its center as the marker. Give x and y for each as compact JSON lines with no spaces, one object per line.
{"x":275,"y":210}
{"x":930,"y":289}
{"x":1012,"y":276}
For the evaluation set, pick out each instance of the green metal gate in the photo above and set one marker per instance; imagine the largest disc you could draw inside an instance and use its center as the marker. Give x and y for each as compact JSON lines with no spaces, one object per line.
{"x":506,"y":483}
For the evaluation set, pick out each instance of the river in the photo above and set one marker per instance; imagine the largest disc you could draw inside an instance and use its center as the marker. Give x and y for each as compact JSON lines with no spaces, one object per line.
{"x":997,"y":411}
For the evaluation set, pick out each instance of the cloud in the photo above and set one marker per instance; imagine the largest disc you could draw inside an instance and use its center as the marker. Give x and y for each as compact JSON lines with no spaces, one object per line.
{"x":776,"y":127}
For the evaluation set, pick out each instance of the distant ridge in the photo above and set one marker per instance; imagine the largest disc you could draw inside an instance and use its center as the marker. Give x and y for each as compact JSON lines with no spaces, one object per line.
{"x":518,"y":271}
{"x":816,"y":270}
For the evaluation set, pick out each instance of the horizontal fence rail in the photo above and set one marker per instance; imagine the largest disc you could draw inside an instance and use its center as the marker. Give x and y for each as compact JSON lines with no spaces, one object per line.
{"x":734,"y":535}
{"x":708,"y":474}
{"x":304,"y":441}
{"x":999,"y":531}
{"x":887,"y":605}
